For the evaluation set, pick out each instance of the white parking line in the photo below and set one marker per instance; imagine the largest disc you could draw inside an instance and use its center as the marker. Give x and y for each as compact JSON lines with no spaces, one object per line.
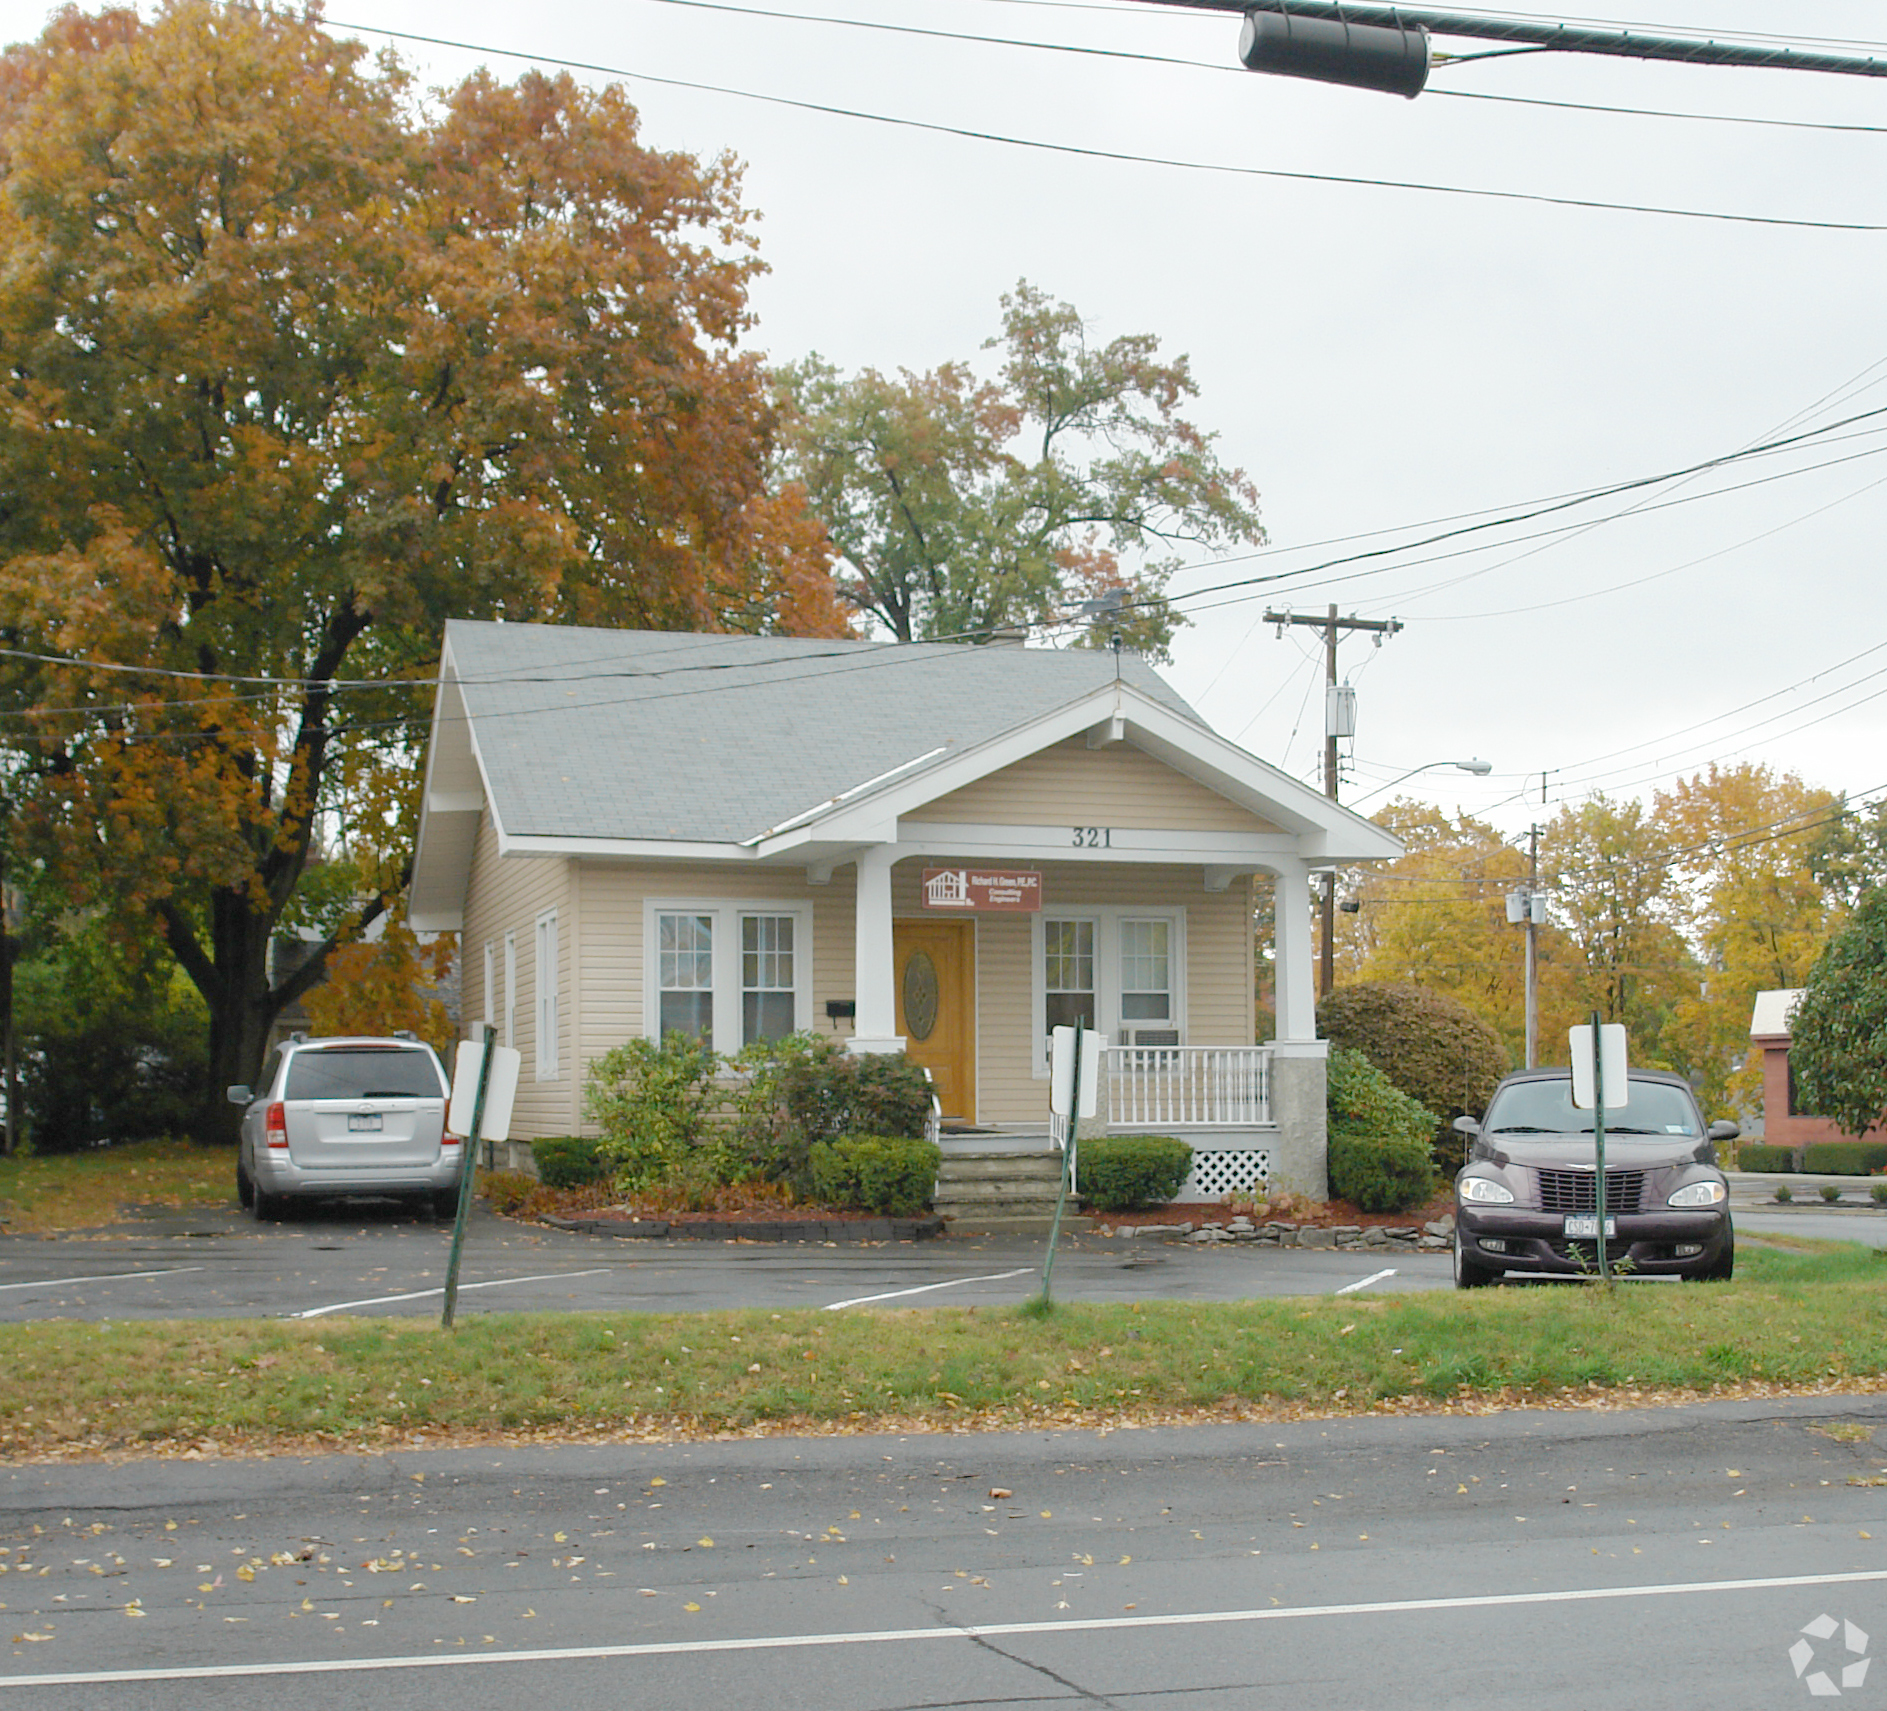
{"x":100,"y":1277}
{"x":906,"y":1636}
{"x":925,"y":1288}
{"x":421,"y":1294}
{"x":1365,"y":1282}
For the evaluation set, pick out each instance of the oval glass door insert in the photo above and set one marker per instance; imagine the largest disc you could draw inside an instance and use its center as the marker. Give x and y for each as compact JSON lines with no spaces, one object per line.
{"x":920,"y":995}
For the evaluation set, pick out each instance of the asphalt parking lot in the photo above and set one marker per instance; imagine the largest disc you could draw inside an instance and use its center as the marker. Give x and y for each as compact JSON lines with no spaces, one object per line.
{"x":378,"y":1258}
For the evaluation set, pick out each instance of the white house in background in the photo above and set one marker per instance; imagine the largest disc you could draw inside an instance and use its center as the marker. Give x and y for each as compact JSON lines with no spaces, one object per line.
{"x":940,"y":850}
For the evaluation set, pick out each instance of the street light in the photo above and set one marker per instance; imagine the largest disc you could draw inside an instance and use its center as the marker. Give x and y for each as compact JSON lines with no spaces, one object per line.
{"x":1480,"y":768}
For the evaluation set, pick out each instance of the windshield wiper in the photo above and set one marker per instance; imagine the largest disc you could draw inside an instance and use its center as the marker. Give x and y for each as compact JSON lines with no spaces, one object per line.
{"x":1524,"y":1129}
{"x":1620,"y":1129}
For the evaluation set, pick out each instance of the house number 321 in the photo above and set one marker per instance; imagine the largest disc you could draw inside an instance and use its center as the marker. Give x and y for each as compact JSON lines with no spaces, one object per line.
{"x":1093,"y":837}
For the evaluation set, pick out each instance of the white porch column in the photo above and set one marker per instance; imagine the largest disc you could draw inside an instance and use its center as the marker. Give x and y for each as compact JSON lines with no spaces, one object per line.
{"x":874,"y":977}
{"x":1293,"y":955}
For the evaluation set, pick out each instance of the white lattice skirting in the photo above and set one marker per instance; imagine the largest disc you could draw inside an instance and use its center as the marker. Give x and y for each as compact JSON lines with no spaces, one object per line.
{"x":1232,"y":1171}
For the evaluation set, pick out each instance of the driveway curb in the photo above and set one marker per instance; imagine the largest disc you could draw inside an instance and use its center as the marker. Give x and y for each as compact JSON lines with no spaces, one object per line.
{"x":824,"y":1231}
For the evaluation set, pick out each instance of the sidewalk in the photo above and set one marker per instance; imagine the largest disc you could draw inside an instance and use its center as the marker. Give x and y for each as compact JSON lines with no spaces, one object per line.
{"x":1750,"y":1189}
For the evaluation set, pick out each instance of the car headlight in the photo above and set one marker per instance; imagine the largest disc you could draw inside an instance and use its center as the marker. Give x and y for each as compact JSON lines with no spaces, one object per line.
{"x":1485,"y":1190}
{"x":1710,"y":1193}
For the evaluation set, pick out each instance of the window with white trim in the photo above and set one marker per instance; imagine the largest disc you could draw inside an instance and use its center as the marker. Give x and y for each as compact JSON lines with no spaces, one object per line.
{"x":1067,"y":974}
{"x":728,"y":973}
{"x":685,"y":976}
{"x":547,"y":1044}
{"x":1146,"y":971}
{"x":511,"y":989}
{"x":1121,"y":972}
{"x":766,"y":978}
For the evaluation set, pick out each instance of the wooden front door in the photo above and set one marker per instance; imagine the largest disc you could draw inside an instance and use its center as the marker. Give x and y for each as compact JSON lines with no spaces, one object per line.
{"x":936,"y":973}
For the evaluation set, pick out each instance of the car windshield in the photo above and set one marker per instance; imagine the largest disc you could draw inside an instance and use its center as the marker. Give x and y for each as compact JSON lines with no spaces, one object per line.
{"x":1546,"y":1108}
{"x":363,"y":1072}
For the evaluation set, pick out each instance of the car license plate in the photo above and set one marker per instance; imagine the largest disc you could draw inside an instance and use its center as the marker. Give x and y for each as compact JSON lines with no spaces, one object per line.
{"x":1586,"y":1224}
{"x":368,"y":1122}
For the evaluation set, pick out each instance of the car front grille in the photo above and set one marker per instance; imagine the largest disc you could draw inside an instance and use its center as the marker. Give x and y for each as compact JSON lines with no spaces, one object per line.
{"x":1577,"y":1190}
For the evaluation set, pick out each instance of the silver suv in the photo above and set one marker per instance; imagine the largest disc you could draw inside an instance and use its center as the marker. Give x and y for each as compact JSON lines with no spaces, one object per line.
{"x":347,"y":1116}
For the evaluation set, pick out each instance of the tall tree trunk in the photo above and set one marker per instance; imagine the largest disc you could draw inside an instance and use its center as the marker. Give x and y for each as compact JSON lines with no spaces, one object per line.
{"x":233,"y":978}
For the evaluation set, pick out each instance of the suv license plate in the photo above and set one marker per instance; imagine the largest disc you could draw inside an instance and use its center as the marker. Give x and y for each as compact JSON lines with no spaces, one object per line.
{"x":1587,"y":1224}
{"x":369,"y":1123}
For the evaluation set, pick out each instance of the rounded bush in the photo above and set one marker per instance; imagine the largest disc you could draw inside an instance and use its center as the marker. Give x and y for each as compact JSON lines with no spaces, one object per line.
{"x":1430,"y":1045}
{"x":891,"y":1175}
{"x":1115,"y":1173}
{"x":1381,"y":1173}
{"x":569,"y":1161}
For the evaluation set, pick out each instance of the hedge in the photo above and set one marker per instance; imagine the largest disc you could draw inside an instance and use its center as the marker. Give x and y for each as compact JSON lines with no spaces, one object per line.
{"x":1115,"y":1173}
{"x":1758,"y":1155}
{"x":568,"y":1161}
{"x":1381,"y":1173}
{"x":1845,"y":1158}
{"x":887,"y":1174}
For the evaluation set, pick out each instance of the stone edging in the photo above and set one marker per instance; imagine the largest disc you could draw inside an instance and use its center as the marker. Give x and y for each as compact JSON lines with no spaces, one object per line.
{"x":826,"y":1231}
{"x":1431,"y":1237}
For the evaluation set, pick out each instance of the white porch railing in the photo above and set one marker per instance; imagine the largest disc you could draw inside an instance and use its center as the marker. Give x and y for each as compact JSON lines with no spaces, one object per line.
{"x":1188,"y":1087}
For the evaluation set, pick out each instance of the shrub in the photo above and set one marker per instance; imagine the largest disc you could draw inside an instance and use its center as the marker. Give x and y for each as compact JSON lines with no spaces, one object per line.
{"x":807,"y":1089}
{"x":1361,"y":1100}
{"x":892,"y":1175}
{"x":1757,"y":1155}
{"x":1844,"y":1158}
{"x":1783,"y":1193}
{"x":506,"y":1190}
{"x":1830,"y":1192}
{"x":1879,"y":1193}
{"x":651,"y":1103}
{"x":1382,"y":1173}
{"x":1430,"y":1045}
{"x":569,"y":1161}
{"x":1115,"y":1173}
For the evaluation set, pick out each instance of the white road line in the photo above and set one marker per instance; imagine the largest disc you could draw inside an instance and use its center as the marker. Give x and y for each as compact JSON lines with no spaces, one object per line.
{"x":925,"y":1288}
{"x":908,"y":1636}
{"x":421,"y":1294}
{"x":1365,"y":1282}
{"x":101,"y":1277}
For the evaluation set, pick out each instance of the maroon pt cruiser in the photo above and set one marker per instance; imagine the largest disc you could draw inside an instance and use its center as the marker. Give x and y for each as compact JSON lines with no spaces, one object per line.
{"x":1527,"y":1199}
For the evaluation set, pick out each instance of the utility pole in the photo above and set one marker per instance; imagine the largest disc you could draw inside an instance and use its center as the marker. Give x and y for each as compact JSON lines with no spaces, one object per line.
{"x":1332,"y":626}
{"x":1527,"y":907}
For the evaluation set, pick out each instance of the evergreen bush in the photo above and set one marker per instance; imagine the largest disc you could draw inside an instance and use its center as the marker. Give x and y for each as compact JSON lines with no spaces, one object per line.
{"x":807,"y":1089}
{"x":892,"y":1175}
{"x":651,"y":1103}
{"x":1430,"y":1045}
{"x":1757,"y":1155}
{"x":1844,"y":1158}
{"x":1115,"y":1173}
{"x":569,"y":1161}
{"x":1381,"y":1141}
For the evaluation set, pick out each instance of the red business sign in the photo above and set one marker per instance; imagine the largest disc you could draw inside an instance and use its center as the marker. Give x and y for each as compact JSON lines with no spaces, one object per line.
{"x":983,"y":891}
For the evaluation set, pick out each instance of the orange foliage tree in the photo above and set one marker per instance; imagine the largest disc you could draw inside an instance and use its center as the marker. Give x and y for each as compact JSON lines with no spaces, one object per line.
{"x":294,"y":366}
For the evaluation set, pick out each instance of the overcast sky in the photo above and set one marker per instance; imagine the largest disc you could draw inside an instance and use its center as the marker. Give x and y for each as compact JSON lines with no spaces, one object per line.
{"x":1375,"y":358}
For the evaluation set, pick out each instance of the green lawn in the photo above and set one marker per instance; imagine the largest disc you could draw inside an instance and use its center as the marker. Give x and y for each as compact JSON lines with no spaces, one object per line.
{"x":81,"y":1191}
{"x":1806,"y":1317}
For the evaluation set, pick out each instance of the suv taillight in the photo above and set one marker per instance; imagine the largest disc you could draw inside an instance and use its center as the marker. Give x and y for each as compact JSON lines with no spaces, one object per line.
{"x":275,"y":1124}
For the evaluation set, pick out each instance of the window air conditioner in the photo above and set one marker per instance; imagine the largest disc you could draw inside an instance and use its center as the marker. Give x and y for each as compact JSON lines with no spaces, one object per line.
{"x":1149,"y":1036}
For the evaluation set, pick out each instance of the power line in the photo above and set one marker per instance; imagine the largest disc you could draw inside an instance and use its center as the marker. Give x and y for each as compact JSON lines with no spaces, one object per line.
{"x":1122,"y":156}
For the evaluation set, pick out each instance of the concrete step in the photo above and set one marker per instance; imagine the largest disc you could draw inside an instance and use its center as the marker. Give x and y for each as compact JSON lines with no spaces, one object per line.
{"x":991,"y":1167}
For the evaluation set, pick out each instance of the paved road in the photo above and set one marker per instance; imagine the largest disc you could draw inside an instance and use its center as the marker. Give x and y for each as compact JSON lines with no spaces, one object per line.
{"x":1555,"y":1560}
{"x":376,"y":1258}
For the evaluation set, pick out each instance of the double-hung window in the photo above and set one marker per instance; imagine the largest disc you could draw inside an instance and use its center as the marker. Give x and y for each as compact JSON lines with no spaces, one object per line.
{"x":1118,"y":971}
{"x":547,"y":994}
{"x":730,"y":974}
{"x":685,"y":976}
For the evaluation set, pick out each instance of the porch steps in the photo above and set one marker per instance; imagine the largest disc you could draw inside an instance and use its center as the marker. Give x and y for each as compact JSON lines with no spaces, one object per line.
{"x":1006,"y":1182}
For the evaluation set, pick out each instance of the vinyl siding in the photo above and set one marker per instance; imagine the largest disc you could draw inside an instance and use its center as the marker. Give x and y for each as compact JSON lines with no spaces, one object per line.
{"x":1075,"y":785}
{"x":508,"y":897}
{"x":614,"y":895}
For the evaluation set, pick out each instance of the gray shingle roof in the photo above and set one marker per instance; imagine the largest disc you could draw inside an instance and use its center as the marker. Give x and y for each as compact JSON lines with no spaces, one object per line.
{"x":651,"y":734}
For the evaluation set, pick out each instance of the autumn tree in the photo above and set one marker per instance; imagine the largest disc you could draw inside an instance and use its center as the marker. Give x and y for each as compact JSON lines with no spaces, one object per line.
{"x":294,"y":367}
{"x":1743,"y":839}
{"x":959,"y":505}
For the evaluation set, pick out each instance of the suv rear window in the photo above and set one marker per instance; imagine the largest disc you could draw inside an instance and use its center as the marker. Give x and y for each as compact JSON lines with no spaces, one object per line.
{"x":362,"y":1072}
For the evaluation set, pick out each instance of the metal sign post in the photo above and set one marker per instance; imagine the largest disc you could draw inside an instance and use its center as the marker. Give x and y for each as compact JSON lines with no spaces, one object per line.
{"x":1067,"y":1159}
{"x":1598,"y":1140}
{"x":1596,"y":1052}
{"x":1073,"y":1093}
{"x":469,"y":1166}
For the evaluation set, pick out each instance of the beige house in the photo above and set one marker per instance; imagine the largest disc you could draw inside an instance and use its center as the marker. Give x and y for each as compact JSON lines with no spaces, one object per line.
{"x":941,"y":850}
